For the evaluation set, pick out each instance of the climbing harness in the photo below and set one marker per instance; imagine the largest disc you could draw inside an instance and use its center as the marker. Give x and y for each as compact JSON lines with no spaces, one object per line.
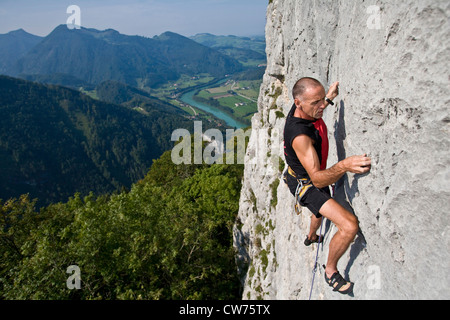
{"x":302,"y":187}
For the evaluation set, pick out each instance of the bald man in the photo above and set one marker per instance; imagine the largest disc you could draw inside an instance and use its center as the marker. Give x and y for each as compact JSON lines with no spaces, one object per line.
{"x":306,"y":152}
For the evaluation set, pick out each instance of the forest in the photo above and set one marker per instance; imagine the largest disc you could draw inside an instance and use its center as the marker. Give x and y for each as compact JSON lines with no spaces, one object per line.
{"x":168,"y":237}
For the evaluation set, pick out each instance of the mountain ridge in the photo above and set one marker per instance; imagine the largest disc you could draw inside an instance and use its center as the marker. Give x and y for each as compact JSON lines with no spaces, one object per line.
{"x":95,"y":56}
{"x":14,"y":45}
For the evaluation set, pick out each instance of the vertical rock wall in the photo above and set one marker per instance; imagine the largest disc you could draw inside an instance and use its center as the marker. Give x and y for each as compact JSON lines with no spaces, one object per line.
{"x":391,"y":58}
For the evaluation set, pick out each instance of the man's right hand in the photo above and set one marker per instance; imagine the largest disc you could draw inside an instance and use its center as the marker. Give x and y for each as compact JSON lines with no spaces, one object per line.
{"x":333,"y":92}
{"x":358,"y":164}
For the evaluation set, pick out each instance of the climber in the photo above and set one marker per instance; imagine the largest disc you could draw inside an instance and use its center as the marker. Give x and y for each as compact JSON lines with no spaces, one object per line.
{"x":306,"y":152}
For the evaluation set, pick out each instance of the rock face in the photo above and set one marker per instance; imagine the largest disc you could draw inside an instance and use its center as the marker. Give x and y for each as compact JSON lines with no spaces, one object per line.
{"x":391,"y":60}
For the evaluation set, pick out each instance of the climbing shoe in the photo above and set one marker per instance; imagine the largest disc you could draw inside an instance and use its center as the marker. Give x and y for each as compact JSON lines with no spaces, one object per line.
{"x":318,"y":239}
{"x":337,"y":282}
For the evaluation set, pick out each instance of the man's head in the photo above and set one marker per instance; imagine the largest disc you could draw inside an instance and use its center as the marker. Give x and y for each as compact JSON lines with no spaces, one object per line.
{"x":309,"y":97}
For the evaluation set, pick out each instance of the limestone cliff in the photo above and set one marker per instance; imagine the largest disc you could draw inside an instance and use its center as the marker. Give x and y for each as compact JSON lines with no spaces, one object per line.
{"x":391,"y":58}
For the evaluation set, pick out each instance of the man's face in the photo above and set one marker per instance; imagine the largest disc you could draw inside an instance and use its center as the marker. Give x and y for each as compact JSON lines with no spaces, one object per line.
{"x":312,"y":102}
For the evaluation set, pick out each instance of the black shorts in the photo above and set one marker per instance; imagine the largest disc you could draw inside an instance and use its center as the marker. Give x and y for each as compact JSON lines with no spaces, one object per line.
{"x":313,"y":199}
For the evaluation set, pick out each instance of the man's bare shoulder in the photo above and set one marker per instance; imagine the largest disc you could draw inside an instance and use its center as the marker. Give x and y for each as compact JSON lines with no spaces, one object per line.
{"x":302,"y":142}
{"x":306,"y":153}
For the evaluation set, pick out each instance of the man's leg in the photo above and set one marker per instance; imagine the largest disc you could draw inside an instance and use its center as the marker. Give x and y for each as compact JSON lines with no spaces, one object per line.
{"x":315,"y":225}
{"x":347,"y":225}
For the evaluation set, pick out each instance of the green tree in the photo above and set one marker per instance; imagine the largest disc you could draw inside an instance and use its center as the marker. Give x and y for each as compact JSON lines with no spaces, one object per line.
{"x":169,"y":237}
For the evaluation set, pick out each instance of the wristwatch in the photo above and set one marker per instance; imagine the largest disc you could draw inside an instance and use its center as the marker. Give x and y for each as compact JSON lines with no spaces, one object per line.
{"x":329,"y":101}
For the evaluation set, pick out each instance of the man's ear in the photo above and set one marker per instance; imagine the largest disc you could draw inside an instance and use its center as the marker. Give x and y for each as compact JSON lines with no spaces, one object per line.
{"x":298,"y":103}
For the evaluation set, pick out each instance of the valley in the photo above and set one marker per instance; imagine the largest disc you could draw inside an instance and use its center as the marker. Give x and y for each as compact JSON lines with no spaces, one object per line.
{"x":159,"y":84}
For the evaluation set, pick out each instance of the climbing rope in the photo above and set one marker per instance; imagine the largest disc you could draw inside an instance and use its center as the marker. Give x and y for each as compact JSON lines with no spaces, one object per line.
{"x":317,"y":258}
{"x":318,"y":247}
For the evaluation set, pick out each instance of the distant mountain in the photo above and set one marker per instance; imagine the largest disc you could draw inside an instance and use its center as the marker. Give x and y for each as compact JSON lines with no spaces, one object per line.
{"x":244,"y":49}
{"x":56,"y":141}
{"x":95,"y":56}
{"x":15,"y":45}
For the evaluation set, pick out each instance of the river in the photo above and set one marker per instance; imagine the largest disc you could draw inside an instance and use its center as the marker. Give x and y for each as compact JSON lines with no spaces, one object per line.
{"x":188,"y":98}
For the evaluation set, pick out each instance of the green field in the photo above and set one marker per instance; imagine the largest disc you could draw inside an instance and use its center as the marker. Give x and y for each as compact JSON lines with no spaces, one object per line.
{"x":238,"y":98}
{"x":173,"y":87}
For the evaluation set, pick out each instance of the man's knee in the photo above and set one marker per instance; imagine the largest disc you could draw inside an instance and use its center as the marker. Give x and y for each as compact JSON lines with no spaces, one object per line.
{"x":345,"y":221}
{"x":351,"y":225}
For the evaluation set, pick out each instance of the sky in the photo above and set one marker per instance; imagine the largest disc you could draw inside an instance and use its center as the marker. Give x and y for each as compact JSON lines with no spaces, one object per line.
{"x":139,"y":17}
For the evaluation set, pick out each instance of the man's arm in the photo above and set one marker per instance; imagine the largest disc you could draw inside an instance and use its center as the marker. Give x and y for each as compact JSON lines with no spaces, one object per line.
{"x":304,"y":148}
{"x":333,"y":92}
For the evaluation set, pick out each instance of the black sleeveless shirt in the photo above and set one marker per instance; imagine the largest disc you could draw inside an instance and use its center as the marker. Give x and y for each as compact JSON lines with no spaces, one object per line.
{"x":293,"y":128}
